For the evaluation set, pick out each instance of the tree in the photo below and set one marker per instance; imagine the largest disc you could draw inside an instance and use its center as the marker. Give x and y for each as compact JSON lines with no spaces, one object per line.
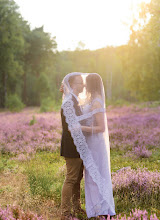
{"x":39,"y":60}
{"x":11,"y":49}
{"x":144,"y":52}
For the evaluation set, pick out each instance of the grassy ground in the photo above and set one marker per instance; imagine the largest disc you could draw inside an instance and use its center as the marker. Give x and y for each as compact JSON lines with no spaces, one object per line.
{"x":36,"y":184}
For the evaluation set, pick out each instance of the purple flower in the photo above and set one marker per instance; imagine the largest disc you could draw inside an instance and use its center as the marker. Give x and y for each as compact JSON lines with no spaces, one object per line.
{"x":17,"y":136}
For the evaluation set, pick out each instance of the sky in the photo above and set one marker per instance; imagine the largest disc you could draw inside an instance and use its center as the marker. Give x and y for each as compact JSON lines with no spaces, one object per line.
{"x":96,"y":23}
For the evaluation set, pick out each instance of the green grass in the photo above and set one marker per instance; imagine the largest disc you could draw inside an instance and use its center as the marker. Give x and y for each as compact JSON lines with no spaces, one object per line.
{"x":6,"y":163}
{"x":118,"y":161}
{"x":46,"y":179}
{"x":46,"y":173}
{"x":125,"y":201}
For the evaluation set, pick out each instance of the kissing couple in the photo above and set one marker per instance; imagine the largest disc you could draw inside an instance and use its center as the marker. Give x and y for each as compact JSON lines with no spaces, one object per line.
{"x":85,"y":147}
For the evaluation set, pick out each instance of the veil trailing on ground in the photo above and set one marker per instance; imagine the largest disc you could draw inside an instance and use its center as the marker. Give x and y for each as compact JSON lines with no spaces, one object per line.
{"x":89,"y":131}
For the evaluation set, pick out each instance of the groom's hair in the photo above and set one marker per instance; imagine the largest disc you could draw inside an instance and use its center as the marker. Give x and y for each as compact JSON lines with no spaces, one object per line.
{"x":72,"y":78}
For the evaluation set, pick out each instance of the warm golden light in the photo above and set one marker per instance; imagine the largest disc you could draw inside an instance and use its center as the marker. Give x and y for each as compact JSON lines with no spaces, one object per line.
{"x":96,"y":23}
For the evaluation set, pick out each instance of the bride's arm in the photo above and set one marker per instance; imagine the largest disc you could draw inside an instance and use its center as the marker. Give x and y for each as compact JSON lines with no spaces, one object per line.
{"x":100,"y":125}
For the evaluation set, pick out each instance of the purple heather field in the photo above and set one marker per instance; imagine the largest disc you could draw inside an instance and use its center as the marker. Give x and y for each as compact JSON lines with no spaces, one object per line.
{"x":134,"y":130}
{"x":131,"y":128}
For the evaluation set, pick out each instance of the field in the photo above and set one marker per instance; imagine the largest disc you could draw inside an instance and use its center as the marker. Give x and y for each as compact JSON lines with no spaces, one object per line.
{"x":32,"y":171}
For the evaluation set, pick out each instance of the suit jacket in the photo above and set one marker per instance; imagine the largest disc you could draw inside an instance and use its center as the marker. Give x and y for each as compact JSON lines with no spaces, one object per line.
{"x":68,"y":149}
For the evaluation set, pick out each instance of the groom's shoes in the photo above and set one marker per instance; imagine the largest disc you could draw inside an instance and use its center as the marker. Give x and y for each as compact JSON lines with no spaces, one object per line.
{"x":80,"y":211}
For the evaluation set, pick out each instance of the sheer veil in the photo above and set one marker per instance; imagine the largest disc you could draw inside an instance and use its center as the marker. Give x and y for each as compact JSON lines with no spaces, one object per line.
{"x":89,"y":131}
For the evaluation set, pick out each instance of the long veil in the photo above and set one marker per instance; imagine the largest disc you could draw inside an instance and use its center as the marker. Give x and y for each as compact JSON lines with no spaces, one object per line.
{"x":91,"y":138}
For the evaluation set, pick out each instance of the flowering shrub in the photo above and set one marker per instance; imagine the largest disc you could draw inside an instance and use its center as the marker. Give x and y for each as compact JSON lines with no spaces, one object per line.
{"x":140,"y":152}
{"x":138,"y":132}
{"x":19,"y":134}
{"x":14,"y":103}
{"x":140,"y":187}
{"x":134,"y":215}
{"x":15,"y":213}
{"x":26,"y":132}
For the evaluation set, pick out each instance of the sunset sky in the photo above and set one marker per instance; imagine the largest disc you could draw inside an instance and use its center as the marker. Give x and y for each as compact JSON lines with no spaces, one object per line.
{"x":97,"y":23}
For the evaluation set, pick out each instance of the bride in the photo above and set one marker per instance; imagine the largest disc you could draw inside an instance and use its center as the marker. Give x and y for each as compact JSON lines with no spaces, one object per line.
{"x":96,"y":133}
{"x":90,"y":135}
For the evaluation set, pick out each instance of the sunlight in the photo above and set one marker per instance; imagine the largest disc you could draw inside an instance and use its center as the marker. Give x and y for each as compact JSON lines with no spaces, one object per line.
{"x":96,"y":23}
{"x":82,"y":95}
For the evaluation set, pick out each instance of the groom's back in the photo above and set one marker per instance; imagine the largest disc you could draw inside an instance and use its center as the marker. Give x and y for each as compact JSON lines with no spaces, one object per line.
{"x":68,"y":149}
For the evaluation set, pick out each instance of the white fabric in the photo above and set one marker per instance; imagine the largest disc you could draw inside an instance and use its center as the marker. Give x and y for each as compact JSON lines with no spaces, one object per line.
{"x":95,"y":203}
{"x":93,"y":147}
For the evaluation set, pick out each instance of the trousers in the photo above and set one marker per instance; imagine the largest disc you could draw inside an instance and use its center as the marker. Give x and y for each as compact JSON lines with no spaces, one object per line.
{"x":70,"y":196}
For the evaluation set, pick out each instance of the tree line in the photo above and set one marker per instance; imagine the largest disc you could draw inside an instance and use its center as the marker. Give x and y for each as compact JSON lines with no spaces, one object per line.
{"x":32,"y":68}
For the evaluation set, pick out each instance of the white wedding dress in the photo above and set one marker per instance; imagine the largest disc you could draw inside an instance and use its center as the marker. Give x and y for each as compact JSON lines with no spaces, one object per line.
{"x":96,"y":203}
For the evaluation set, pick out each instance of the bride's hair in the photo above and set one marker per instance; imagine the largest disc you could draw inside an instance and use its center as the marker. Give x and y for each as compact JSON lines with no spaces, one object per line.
{"x":93,"y":85}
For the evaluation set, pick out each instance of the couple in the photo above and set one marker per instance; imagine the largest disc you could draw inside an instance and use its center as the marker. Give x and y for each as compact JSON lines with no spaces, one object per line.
{"x":85,"y":145}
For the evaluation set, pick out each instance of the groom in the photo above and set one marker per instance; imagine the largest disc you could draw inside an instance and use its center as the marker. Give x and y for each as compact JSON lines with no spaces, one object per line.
{"x":74,"y":164}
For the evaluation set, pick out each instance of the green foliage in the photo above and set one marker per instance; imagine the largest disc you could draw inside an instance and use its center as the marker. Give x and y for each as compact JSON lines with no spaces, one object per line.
{"x":33,"y":121}
{"x":119,"y":161}
{"x":44,"y":175}
{"x":27,"y":55}
{"x":12,"y":47}
{"x":43,"y":85}
{"x":32,"y":68}
{"x":125,"y":200}
{"x":40,"y":183}
{"x":151,"y":104}
{"x":49,"y":104}
{"x":14,"y":104}
{"x":6,"y":163}
{"x":143,"y":54}
{"x":3,"y":163}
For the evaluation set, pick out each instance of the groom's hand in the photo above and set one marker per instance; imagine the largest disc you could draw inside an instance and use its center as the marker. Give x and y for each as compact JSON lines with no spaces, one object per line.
{"x":61,"y":88}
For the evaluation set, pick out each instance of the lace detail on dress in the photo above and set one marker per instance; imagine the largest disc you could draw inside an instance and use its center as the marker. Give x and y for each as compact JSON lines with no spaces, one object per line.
{"x":82,"y":147}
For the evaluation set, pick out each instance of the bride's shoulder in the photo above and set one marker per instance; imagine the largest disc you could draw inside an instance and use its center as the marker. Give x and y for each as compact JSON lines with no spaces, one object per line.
{"x":98,"y":97}
{"x":97,"y":102}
